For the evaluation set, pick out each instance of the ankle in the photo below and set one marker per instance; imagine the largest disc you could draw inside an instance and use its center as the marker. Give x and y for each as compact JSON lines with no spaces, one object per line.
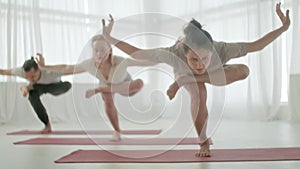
{"x":206,"y":143}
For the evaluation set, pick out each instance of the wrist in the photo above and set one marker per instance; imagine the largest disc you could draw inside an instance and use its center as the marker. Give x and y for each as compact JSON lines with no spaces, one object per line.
{"x":112,"y":40}
{"x":28,"y":88}
{"x":283,"y":28}
{"x":108,"y":38}
{"x":24,"y":88}
{"x":98,"y":90}
{"x":180,"y":81}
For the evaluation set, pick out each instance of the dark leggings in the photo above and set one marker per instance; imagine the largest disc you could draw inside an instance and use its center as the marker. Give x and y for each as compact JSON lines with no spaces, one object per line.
{"x":39,"y":89}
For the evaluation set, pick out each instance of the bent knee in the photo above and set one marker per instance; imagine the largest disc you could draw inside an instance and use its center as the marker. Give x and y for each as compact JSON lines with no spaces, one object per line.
{"x":244,"y":71}
{"x":139,"y":83}
{"x":135,"y":86}
{"x":68,"y":85}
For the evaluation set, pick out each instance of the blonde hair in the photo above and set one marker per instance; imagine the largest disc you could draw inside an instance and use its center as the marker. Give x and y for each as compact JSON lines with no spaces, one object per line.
{"x":101,"y":38}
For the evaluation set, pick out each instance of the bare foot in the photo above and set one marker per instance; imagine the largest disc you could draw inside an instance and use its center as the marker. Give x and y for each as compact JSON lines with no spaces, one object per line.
{"x":116,"y":136}
{"x":135,"y":86}
{"x":90,"y":93}
{"x":204,"y":150}
{"x":47,"y":129}
{"x":173,"y":88}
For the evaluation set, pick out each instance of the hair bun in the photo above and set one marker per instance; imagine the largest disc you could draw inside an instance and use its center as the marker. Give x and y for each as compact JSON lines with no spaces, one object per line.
{"x":197,"y":37}
{"x":196,"y":23}
{"x":192,"y":26}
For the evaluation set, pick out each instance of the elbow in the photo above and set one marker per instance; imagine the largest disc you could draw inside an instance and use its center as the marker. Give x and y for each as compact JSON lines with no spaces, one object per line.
{"x":254,"y":47}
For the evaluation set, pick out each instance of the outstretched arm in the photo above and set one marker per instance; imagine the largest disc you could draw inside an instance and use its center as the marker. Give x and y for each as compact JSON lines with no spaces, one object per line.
{"x":61,"y":68}
{"x":132,"y":51}
{"x":250,"y":47}
{"x":65,"y":69}
{"x":24,"y":89}
{"x":132,"y":62}
{"x":6,"y":72}
{"x":271,"y":36}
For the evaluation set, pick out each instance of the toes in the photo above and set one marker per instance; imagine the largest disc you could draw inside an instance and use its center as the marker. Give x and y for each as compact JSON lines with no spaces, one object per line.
{"x":205,"y":153}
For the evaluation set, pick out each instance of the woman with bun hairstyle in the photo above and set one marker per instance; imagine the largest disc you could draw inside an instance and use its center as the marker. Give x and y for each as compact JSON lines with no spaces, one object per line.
{"x":198,"y":59}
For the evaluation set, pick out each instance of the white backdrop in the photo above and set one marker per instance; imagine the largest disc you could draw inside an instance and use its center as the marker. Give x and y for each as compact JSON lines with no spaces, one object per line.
{"x":60,"y":30}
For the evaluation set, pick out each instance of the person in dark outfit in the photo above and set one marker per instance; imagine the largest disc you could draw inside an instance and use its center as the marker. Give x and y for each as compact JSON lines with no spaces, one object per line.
{"x":40,"y":82}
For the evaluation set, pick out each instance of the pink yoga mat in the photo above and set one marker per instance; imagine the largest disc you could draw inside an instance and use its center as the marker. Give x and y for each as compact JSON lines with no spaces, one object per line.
{"x":181,"y":156}
{"x":80,"y":132}
{"x":107,"y":141}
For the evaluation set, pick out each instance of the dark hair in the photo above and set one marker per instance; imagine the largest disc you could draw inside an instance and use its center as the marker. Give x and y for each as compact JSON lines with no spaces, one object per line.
{"x":196,"y":37}
{"x":30,"y":63}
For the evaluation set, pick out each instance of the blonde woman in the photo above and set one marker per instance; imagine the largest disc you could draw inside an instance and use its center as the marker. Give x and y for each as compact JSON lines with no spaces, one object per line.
{"x":111,"y":71}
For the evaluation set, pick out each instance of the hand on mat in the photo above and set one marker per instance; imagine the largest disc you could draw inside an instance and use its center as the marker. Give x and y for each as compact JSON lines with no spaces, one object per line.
{"x":106,"y":30}
{"x":173,"y":88}
{"x":284,"y":19}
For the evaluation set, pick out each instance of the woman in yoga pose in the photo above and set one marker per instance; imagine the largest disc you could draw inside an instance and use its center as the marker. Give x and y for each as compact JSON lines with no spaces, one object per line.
{"x":112,"y":73}
{"x":206,"y":59}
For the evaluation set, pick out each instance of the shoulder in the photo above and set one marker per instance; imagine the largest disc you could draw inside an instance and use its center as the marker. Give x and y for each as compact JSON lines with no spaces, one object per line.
{"x":118,"y":59}
{"x":228,"y":46}
{"x":174,"y":50}
{"x":86,"y":62}
{"x":229,"y":50}
{"x":221,"y":44}
{"x":177,"y":51}
{"x":218,"y":44}
{"x":51,"y":73}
